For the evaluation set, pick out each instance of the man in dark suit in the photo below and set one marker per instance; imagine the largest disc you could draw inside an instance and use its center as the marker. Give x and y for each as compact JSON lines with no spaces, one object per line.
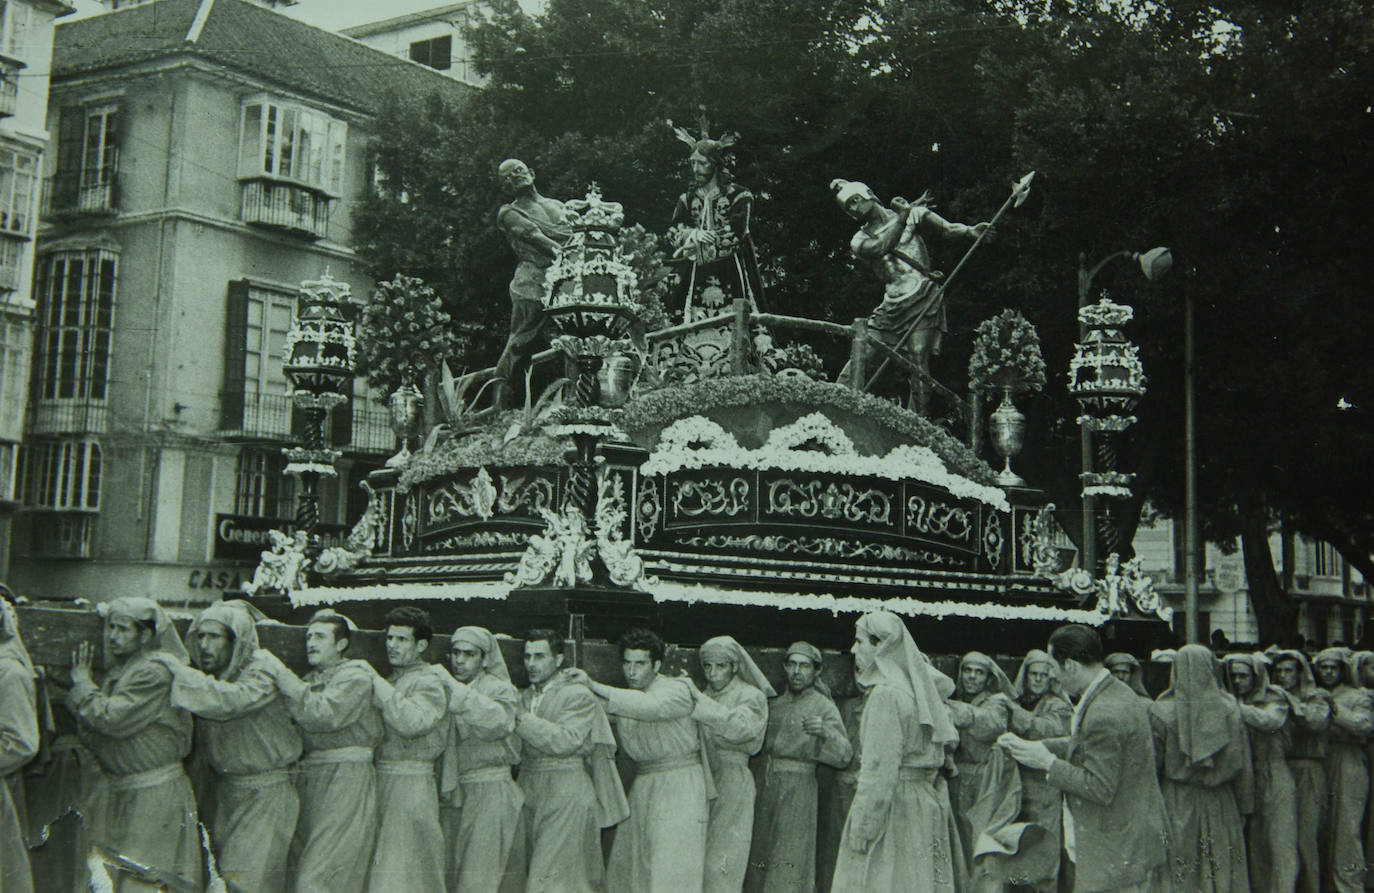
{"x":1114,"y":816}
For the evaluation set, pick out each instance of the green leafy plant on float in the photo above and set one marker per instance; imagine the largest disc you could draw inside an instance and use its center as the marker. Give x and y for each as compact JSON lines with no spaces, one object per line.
{"x":642,"y":251}
{"x":1006,"y":355}
{"x":404,"y":333}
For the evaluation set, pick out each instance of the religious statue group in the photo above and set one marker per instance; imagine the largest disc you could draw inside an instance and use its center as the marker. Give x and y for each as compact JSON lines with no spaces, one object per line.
{"x":713,"y":250}
{"x":1249,"y":772}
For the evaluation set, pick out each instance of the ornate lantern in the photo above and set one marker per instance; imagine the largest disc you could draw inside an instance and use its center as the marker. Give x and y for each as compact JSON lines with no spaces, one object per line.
{"x":319,"y":359}
{"x":1108,"y":380}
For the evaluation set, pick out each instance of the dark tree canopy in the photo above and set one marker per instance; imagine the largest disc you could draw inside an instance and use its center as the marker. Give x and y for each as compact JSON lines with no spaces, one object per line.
{"x":1238,"y":134}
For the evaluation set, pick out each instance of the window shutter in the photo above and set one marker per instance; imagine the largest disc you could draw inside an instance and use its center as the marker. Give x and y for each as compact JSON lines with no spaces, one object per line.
{"x":235,"y":346}
{"x":71,"y":125}
{"x":341,"y":425}
{"x":115,"y":163}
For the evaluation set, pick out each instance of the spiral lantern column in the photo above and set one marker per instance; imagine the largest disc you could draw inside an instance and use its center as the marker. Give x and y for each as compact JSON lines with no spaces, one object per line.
{"x":319,"y":360}
{"x":1108,"y":380}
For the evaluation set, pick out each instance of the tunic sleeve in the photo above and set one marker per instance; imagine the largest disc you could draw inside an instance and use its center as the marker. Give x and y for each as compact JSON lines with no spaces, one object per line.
{"x":982,"y":722}
{"x":1097,"y":779}
{"x":18,"y":718}
{"x":660,"y":703}
{"x":485,"y":717}
{"x":735,"y":725}
{"x":1315,"y":714}
{"x":880,"y":740}
{"x":339,"y":703}
{"x":417,"y":710}
{"x":566,"y":736}
{"x":134,"y":703}
{"x":1266,"y":717}
{"x":1354,"y":714}
{"x":833,"y":746}
{"x":1052,"y":723}
{"x":204,"y":695}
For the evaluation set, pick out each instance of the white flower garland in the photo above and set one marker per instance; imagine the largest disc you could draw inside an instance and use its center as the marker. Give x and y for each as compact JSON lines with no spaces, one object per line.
{"x":677,"y":450}
{"x":664,"y":591}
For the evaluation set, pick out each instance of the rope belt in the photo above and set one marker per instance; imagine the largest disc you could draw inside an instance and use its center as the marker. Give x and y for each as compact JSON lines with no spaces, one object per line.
{"x":789,"y":766}
{"x":553,"y":764}
{"x":492,"y":773}
{"x":667,"y":764}
{"x":918,"y":773}
{"x":407,"y":768}
{"x":258,"y":780}
{"x":151,"y":778}
{"x":334,"y":755}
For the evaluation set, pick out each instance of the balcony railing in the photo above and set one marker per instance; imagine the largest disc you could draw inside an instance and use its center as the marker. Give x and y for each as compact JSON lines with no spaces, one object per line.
{"x":266,"y":415}
{"x":94,"y":191}
{"x":57,"y":416}
{"x":372,"y":430}
{"x":286,"y":207}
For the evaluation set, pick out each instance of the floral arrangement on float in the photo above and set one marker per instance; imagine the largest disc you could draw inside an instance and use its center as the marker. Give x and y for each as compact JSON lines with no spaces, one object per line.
{"x":1006,"y":356}
{"x":813,"y":444}
{"x":405,"y":331}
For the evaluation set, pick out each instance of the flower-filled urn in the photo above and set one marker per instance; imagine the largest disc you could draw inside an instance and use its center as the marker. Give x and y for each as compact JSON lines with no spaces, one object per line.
{"x":1105,"y":374}
{"x":320,"y":352}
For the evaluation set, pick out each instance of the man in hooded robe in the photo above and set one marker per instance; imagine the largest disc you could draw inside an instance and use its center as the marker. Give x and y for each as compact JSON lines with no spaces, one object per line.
{"x":410,"y":853}
{"x":567,"y":773}
{"x":1113,"y":810}
{"x":18,"y":745}
{"x":1310,"y":711}
{"x":804,"y":730}
{"x":1041,"y":711}
{"x":1347,"y":769}
{"x":1363,"y":672}
{"x":900,"y":834}
{"x":1126,"y":668}
{"x":144,"y":810}
{"x":981,"y":711}
{"x":661,"y":847}
{"x":734,"y":713}
{"x":488,"y":844}
{"x":340,"y":728}
{"x":1272,"y":835}
{"x":245,"y":734}
{"x":1205,"y":776}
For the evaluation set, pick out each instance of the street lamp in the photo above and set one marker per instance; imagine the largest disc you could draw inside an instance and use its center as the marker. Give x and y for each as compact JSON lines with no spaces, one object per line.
{"x":1154,"y":264}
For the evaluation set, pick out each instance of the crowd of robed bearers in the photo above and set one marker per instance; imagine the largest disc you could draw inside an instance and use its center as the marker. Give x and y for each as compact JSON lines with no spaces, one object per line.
{"x":1248,"y":772}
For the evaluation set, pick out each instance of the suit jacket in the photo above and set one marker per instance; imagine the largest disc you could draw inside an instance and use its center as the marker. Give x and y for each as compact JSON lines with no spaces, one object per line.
{"x":1107,"y":773}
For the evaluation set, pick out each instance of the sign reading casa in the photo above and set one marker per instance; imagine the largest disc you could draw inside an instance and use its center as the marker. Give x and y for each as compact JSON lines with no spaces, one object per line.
{"x":245,"y":538}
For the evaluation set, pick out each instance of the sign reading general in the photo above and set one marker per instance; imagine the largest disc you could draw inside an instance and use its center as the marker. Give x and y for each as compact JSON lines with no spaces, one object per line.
{"x":244,"y":537}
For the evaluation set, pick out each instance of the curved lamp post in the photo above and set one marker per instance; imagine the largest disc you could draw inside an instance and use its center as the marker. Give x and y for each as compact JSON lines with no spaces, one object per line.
{"x":1154,"y":264}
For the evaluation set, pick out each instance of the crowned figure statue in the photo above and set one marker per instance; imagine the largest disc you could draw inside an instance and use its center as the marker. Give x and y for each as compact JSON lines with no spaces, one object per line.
{"x":710,"y":235}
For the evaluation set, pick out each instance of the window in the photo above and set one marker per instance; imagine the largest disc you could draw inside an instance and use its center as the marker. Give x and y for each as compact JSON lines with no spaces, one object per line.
{"x":77,"y":291}
{"x":267,"y":408}
{"x":18,"y":174}
{"x":62,"y":474}
{"x":1326,"y":561}
{"x":15,"y":28}
{"x":436,"y":52}
{"x":99,"y":157}
{"x":261,"y":490}
{"x":292,"y":142}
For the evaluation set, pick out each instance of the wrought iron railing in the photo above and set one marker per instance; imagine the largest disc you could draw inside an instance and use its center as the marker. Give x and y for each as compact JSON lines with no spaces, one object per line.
{"x":286,"y":207}
{"x":87,"y":191}
{"x":59,"y":416}
{"x":372,"y":430}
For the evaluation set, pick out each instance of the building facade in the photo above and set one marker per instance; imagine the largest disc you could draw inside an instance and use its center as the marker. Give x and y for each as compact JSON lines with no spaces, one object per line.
{"x":209,"y":158}
{"x":26,"y":36}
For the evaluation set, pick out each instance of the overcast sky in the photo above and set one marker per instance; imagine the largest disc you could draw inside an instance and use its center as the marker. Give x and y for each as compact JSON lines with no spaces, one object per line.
{"x":329,"y":14}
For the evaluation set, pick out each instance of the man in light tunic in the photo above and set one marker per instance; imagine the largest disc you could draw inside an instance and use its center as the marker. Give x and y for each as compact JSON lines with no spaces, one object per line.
{"x":804,"y":729}
{"x":734,"y":714}
{"x":248,"y":739}
{"x":981,"y":711}
{"x":1310,"y":707}
{"x":1271,"y":835}
{"x":144,"y":810}
{"x":18,"y":745}
{"x":414,"y":704}
{"x":1347,"y":769}
{"x":338,"y":786}
{"x":661,"y":848}
{"x":487,"y":843}
{"x":567,"y":773}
